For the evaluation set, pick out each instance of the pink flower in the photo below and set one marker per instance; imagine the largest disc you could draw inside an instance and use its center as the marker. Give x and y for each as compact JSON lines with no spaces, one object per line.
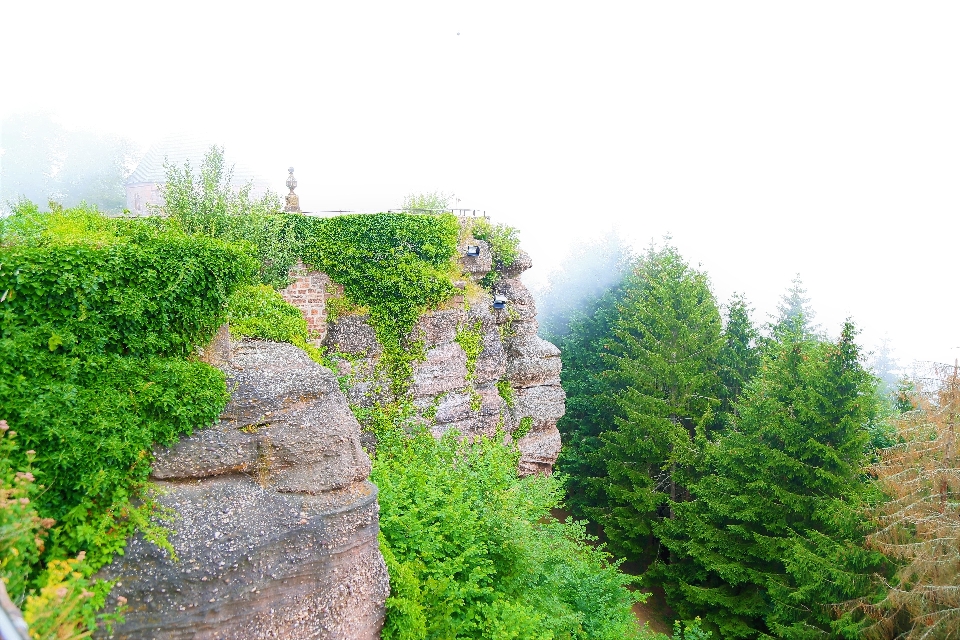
{"x":3,"y":425}
{"x":61,"y":592}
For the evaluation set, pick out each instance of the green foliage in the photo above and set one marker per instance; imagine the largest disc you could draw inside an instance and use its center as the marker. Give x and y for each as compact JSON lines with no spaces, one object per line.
{"x":523,"y":427}
{"x":794,"y":313}
{"x":774,"y":534}
{"x":470,"y":339}
{"x":62,"y":603}
{"x":504,"y":246}
{"x":259,"y":311}
{"x":473,"y":553}
{"x":208,"y":205}
{"x":397,"y":265}
{"x":585,"y":347}
{"x":739,"y":357}
{"x":434,"y":202}
{"x":666,"y":338}
{"x":505,"y":389}
{"x":98,"y":319}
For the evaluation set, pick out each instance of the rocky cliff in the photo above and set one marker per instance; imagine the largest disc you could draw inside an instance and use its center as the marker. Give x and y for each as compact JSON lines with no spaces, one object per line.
{"x":514,"y":383}
{"x":276,"y":522}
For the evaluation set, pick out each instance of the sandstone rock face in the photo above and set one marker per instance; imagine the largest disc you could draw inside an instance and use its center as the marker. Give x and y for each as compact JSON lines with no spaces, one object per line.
{"x":515,"y":376}
{"x":276,"y":522}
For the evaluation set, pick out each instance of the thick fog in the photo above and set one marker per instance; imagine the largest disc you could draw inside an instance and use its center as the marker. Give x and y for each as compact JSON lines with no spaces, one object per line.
{"x":768,"y":139}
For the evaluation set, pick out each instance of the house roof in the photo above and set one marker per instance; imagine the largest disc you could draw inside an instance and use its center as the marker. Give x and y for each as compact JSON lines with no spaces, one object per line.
{"x":180,"y":148}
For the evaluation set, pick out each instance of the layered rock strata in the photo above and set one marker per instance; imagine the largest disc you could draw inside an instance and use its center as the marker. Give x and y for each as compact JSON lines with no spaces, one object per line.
{"x":276,"y":522}
{"x":513,"y":383}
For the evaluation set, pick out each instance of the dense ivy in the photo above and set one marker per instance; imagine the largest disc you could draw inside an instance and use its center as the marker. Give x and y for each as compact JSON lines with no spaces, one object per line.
{"x":396,"y":265}
{"x":97,"y":321}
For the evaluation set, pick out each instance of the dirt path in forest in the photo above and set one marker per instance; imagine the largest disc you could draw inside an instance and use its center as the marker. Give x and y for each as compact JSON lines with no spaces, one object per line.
{"x":655,"y":612}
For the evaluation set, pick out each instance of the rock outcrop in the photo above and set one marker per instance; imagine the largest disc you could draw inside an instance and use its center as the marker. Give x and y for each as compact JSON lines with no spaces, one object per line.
{"x":276,"y":522}
{"x":515,"y":377}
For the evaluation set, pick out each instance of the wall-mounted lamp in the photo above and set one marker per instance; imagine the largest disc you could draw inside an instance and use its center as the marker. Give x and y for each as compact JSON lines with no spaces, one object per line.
{"x":499,"y":302}
{"x":473,"y":250}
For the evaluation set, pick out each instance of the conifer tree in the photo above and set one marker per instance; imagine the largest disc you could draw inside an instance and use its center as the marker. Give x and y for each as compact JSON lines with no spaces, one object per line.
{"x":919,"y":527}
{"x":794,"y":312}
{"x":774,"y":531}
{"x":589,"y":410}
{"x":739,"y":357}
{"x":665,"y":344}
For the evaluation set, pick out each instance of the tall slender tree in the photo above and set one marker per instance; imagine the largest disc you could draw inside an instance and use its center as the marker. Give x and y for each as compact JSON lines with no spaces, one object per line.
{"x":919,"y":527}
{"x":774,"y":532}
{"x":665,"y":344}
{"x":590,"y":410}
{"x":794,"y":312}
{"x":739,"y":357}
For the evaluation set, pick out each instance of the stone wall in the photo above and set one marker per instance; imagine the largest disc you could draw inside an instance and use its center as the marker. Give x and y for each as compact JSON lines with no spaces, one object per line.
{"x":310,"y":291}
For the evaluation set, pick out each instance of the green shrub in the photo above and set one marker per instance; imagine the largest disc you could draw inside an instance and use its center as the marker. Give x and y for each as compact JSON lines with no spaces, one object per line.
{"x":258,"y":311}
{"x":470,"y":339}
{"x":65,"y":602}
{"x":505,"y":389}
{"x":504,"y":246}
{"x":97,"y":319}
{"x":473,"y":552}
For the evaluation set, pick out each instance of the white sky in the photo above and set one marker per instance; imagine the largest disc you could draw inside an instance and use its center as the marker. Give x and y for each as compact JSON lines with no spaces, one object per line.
{"x":768,"y":138}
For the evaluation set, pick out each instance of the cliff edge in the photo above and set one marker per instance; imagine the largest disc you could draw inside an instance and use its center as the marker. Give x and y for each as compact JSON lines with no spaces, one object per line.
{"x":276,"y":523}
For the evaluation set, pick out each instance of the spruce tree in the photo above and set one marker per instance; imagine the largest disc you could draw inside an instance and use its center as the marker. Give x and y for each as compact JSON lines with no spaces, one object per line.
{"x":774,"y":532}
{"x":739,"y":357}
{"x":794,"y":313}
{"x":665,"y":344}
{"x":590,"y":408}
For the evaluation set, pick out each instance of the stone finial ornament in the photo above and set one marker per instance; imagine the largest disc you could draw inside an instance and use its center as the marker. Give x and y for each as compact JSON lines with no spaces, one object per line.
{"x":293,"y":200}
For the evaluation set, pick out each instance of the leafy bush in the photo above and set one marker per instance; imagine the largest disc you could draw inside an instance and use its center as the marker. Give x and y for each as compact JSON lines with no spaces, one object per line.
{"x":97,"y":318}
{"x":65,"y":604}
{"x":473,"y":552}
{"x":206,"y":204}
{"x":504,"y":246}
{"x":258,"y":311}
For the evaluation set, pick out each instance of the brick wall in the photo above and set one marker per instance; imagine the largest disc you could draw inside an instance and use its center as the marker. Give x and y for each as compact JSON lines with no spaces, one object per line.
{"x":309,"y":292}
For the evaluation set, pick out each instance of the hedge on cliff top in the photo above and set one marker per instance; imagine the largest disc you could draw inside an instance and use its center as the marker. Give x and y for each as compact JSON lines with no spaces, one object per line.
{"x":97,"y":320}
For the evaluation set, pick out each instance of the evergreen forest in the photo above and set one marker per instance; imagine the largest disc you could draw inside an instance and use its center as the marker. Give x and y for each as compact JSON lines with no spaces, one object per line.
{"x":761,"y":476}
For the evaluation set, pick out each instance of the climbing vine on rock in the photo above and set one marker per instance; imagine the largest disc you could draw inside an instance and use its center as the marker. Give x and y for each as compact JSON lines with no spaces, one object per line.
{"x":396,"y":265}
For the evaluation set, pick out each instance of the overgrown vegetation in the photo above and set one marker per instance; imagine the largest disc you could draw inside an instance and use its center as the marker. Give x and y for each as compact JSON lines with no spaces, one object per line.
{"x":504,"y":246}
{"x":259,"y":311}
{"x":473,"y":552}
{"x":99,"y":318}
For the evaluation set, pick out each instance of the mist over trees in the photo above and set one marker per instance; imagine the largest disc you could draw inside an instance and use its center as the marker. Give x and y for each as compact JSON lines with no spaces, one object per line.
{"x":43,"y":161}
{"x":586,"y":274}
{"x":765,"y":477}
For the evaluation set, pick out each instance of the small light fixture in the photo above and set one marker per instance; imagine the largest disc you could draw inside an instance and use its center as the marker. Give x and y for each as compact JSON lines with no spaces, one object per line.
{"x":499,"y":302}
{"x":473,"y":250}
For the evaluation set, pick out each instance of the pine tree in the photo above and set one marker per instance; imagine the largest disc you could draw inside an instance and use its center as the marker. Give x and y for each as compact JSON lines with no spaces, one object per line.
{"x":794,"y":313}
{"x":590,"y":409}
{"x":919,"y":527}
{"x":739,"y":357}
{"x":774,"y":531}
{"x":664,"y":374}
